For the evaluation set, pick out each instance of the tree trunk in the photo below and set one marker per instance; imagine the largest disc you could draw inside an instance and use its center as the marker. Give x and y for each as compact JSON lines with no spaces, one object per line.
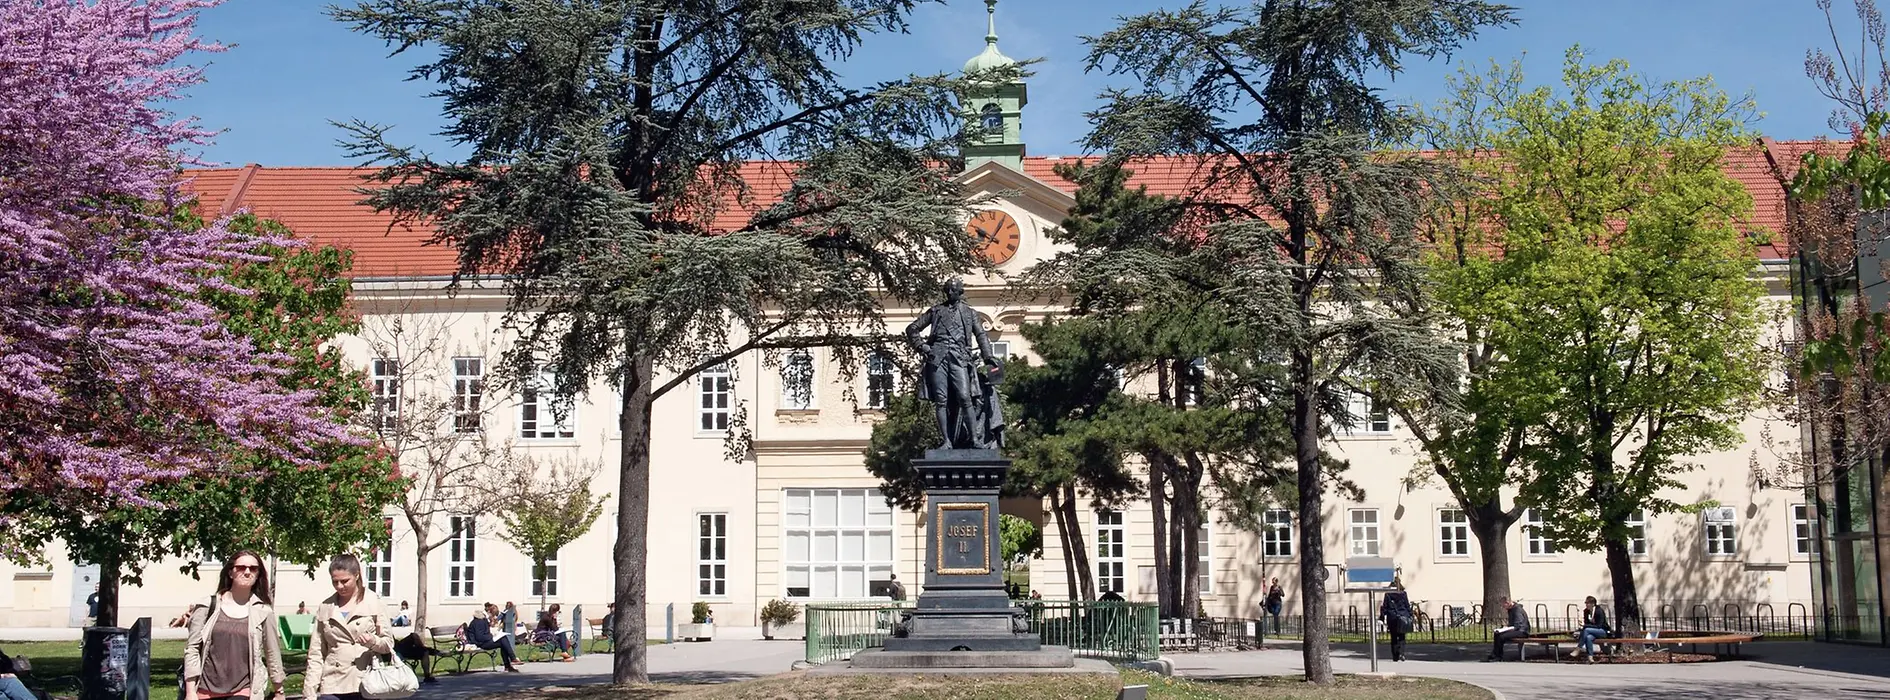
{"x":1158,"y":503}
{"x":1627,"y":601}
{"x":1069,"y":545}
{"x":1315,"y":647}
{"x":1187,"y":525}
{"x":1177,"y":562}
{"x":109,"y":577}
{"x":630,"y":662}
{"x":1085,"y":577}
{"x":1492,"y":531}
{"x":422,"y":551}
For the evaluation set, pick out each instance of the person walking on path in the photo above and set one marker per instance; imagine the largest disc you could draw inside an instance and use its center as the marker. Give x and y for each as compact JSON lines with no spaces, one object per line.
{"x":1594,"y":626}
{"x":1396,"y":612}
{"x":348,"y":633}
{"x":233,"y":649}
{"x":1517,"y":628}
{"x":1276,"y":601}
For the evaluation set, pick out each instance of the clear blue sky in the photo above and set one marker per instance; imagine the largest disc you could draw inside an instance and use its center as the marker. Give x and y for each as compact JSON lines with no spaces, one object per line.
{"x":291,"y":70}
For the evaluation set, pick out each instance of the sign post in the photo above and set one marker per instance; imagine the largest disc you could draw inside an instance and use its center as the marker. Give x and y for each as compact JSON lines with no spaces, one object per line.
{"x":1371,"y":576}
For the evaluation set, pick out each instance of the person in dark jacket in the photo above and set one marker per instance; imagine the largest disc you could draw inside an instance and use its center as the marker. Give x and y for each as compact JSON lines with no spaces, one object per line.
{"x":1276,"y":601}
{"x":1594,"y":626}
{"x":1518,"y":628}
{"x":1396,"y":612}
{"x":11,"y":688}
{"x":479,"y":633}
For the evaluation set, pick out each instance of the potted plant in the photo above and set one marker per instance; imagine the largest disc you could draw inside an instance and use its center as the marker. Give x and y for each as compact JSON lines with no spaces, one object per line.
{"x":776,"y":614}
{"x":701,"y":627}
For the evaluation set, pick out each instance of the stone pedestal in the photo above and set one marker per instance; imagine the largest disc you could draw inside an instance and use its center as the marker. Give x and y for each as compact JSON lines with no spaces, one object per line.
{"x":964,"y":607}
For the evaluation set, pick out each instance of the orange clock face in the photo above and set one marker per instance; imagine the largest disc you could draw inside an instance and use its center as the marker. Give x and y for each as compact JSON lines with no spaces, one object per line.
{"x":999,"y":233}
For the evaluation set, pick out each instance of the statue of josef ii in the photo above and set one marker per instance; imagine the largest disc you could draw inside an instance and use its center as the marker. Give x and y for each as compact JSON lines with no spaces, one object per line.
{"x":960,"y":375}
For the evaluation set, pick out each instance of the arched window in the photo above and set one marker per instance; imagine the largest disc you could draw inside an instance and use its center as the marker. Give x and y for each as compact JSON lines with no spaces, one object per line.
{"x":993,"y":117}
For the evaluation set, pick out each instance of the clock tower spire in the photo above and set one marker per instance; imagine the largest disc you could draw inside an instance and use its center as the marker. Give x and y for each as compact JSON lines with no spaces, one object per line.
{"x":995,"y":106}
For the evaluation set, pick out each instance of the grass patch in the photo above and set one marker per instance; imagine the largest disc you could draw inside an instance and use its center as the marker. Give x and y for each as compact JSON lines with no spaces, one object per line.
{"x":55,"y":664}
{"x":793,"y":686}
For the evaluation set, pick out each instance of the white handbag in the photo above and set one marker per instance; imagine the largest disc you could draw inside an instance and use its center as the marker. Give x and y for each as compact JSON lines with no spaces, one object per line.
{"x":388,"y":681}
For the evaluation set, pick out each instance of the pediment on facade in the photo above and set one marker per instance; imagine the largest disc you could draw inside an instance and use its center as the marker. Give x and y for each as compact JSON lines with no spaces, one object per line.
{"x":994,"y":177}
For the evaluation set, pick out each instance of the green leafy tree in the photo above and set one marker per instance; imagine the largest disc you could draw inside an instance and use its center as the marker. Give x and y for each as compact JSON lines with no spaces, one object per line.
{"x":1019,"y":539}
{"x":605,"y":141}
{"x":553,"y":511}
{"x":1314,"y":222}
{"x":1622,"y":302}
{"x":293,"y":303}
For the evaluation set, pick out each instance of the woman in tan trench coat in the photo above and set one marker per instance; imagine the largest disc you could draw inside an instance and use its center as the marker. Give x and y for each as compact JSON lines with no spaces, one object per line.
{"x":348,"y":632}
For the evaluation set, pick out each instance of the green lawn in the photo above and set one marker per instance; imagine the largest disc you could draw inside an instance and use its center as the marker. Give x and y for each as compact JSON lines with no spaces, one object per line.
{"x":1023,"y":687}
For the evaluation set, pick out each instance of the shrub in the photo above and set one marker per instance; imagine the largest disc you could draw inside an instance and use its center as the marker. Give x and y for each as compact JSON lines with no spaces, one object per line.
{"x":699,"y":613}
{"x":780,"y":612}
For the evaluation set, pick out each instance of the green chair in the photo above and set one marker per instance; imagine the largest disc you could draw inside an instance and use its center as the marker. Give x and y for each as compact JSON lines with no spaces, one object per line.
{"x":295,"y":631}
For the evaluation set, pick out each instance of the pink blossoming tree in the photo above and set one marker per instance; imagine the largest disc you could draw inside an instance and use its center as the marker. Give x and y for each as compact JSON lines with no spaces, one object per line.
{"x":114,"y":372}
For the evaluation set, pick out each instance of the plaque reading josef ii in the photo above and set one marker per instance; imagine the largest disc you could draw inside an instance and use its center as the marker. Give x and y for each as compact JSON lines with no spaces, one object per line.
{"x":963,"y":545}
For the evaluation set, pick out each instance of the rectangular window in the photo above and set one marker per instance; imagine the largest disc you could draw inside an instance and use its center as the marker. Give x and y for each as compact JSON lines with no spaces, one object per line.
{"x":797,"y":381}
{"x":836,"y":542}
{"x":379,"y":569}
{"x":1722,"y":531}
{"x":882,"y":375}
{"x":712,"y":554}
{"x":1371,"y":415}
{"x":1453,"y":533}
{"x":1801,"y":530}
{"x":1637,"y":533}
{"x":1001,"y":349}
{"x":1111,"y":559}
{"x":469,"y":389}
{"x":461,"y":556}
{"x":543,"y":416}
{"x":1204,"y":539}
{"x":715,"y":394}
{"x":1364,"y":532}
{"x":1534,"y":531}
{"x":547,"y":584}
{"x":1277,"y":540}
{"x":386,"y":377}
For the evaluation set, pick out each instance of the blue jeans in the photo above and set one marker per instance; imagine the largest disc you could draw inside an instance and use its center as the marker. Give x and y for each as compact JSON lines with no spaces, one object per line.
{"x":1588,"y":635}
{"x":12,"y":689}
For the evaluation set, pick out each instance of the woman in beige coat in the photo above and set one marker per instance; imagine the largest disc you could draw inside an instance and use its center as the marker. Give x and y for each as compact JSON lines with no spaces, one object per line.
{"x":234,"y":651}
{"x":348,"y":632}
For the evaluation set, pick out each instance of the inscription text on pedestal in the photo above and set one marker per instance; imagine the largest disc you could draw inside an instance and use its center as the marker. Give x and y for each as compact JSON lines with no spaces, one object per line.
{"x":963,"y":540}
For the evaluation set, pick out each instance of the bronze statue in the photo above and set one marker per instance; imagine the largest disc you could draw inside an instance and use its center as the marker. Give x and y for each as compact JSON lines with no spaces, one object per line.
{"x":960,"y":375}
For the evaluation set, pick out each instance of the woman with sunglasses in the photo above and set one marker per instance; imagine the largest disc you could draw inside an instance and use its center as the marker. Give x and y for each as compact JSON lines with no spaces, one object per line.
{"x":233,"y":650}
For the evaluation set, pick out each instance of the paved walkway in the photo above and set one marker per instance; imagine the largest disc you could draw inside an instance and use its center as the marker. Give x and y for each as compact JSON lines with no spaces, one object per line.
{"x":1777,"y":670}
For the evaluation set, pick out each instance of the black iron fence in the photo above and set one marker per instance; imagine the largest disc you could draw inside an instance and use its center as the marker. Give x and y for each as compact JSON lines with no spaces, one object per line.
{"x":1453,"y":624}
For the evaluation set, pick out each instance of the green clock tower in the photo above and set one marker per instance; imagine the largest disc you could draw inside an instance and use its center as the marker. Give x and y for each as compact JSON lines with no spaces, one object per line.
{"x":996,"y":106}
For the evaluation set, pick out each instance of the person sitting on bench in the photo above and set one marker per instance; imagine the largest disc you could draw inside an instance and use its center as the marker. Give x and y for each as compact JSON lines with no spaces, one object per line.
{"x":1518,"y":628}
{"x":1594,"y":626}
{"x":479,"y":632}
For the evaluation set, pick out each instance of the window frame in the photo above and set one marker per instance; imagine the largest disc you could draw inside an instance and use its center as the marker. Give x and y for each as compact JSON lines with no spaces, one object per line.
{"x":1809,"y":521}
{"x":1274,"y":534}
{"x":462,"y":557}
{"x":385,"y":388}
{"x":377,"y":568}
{"x":537,"y":397}
{"x":1728,"y":529}
{"x":1549,"y":549}
{"x":1445,"y":527}
{"x":875,"y":505}
{"x":1352,"y":525}
{"x":1204,"y":555}
{"x":722,"y":562}
{"x":1120,"y":559}
{"x":707,"y":423}
{"x":550,"y":581}
{"x":881,"y":368}
{"x":1638,"y":547}
{"x":469,"y":394}
{"x":790,"y":400}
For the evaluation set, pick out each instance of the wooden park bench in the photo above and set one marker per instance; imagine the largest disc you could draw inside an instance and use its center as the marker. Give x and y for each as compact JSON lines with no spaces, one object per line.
{"x":1721,"y":641}
{"x":1550,"y":641}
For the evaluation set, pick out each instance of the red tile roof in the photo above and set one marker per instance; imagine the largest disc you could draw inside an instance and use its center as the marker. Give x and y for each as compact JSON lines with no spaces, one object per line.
{"x":321,"y":204}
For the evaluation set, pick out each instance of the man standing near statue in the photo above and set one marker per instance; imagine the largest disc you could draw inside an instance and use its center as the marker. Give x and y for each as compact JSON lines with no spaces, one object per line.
{"x":960,"y":373}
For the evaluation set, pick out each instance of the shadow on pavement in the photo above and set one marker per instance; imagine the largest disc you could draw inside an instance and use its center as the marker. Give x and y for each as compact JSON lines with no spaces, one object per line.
{"x":1820,"y":656}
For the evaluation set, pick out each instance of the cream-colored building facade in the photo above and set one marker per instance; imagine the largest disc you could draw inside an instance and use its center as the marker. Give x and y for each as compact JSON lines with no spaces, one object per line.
{"x":799,"y":518}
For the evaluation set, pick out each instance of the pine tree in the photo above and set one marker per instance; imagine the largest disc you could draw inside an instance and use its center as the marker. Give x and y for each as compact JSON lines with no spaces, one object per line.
{"x":1314,"y":221}
{"x":605,"y":139}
